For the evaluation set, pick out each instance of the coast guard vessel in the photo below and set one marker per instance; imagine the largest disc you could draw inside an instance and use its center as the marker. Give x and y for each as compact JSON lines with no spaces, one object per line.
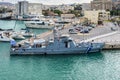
{"x":63,"y":44}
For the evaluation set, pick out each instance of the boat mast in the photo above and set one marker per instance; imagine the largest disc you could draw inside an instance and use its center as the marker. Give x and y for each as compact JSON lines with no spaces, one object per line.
{"x":15,"y":25}
{"x":56,"y":33}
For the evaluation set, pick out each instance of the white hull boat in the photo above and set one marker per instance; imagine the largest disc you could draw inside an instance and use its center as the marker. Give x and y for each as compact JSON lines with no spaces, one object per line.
{"x":17,"y":36}
{"x":26,"y":32}
{"x":5,"y":39}
{"x":39,"y":24}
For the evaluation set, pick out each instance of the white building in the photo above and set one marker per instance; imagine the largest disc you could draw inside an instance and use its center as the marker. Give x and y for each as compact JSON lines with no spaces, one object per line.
{"x":46,"y":7}
{"x":22,"y":8}
{"x":35,"y":9}
{"x":25,"y":8}
{"x":86,"y":6}
{"x":64,"y":8}
{"x":95,"y":16}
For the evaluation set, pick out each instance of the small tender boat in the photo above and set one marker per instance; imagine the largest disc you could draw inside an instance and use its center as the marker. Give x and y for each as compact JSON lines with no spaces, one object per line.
{"x":5,"y":38}
{"x":26,"y":32}
{"x":17,"y":36}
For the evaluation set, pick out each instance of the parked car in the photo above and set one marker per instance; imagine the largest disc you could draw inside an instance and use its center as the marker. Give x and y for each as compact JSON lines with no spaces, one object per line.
{"x":113,"y":29}
{"x":92,"y":25}
{"x":72,"y":31}
{"x":78,"y":29}
{"x":89,"y":28}
{"x":84,"y":31}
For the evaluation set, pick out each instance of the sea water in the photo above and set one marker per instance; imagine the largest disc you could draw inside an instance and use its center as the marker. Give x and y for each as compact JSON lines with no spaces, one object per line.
{"x":94,"y":66}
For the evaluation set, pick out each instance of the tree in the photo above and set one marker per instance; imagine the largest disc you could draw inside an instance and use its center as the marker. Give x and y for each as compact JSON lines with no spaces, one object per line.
{"x":78,"y":7}
{"x":115,"y":12}
{"x":45,"y":12}
{"x":58,"y":12}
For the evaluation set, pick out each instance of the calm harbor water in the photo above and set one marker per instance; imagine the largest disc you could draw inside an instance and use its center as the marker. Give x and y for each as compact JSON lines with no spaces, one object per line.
{"x":17,"y":25}
{"x":94,"y":66}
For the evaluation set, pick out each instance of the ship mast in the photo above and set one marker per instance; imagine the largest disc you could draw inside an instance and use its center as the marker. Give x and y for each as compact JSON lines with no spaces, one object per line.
{"x":56,"y":33}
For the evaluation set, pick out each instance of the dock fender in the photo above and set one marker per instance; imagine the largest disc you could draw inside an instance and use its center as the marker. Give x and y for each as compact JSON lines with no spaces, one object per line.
{"x":45,"y":53}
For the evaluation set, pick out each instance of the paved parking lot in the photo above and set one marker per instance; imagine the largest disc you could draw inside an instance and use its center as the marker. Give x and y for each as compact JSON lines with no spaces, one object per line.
{"x":99,"y":30}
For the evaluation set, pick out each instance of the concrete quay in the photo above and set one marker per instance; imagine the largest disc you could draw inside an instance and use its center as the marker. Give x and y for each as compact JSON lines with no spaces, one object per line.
{"x":112,"y":41}
{"x":111,"y":38}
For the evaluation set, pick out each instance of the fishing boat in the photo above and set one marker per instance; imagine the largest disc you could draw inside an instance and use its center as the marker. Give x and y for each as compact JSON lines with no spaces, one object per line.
{"x":62,"y":44}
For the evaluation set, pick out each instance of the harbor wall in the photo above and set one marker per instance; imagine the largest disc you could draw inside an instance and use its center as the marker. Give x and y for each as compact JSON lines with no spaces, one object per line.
{"x":111,"y":46}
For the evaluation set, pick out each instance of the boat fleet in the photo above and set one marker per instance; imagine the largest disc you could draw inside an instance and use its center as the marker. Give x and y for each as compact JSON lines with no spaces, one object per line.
{"x":42,"y":23}
{"x":60,"y":44}
{"x":35,"y":22}
{"x":6,"y":35}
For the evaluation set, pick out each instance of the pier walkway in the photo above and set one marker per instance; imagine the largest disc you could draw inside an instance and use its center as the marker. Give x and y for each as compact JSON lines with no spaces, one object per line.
{"x":100,"y":37}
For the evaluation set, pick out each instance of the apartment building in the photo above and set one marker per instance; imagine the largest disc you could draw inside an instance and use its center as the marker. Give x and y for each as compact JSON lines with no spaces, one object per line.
{"x":95,"y":16}
{"x":101,"y":4}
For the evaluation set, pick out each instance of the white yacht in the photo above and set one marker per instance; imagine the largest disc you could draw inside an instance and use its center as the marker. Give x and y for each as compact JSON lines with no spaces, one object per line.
{"x":39,"y":24}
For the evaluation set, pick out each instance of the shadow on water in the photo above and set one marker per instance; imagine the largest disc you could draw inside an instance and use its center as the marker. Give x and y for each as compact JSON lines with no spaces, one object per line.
{"x":96,"y":56}
{"x":60,"y":58}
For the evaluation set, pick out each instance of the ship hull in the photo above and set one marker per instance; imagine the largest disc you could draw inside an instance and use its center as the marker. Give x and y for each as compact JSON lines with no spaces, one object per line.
{"x":41,"y":51}
{"x":35,"y":26}
{"x":6,"y":18}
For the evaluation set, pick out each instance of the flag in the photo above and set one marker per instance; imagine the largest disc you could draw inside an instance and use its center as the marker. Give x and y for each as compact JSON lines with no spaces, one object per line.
{"x":13,"y":42}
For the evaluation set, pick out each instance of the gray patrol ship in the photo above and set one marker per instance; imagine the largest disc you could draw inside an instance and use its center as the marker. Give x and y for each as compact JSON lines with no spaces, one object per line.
{"x":63,"y":44}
